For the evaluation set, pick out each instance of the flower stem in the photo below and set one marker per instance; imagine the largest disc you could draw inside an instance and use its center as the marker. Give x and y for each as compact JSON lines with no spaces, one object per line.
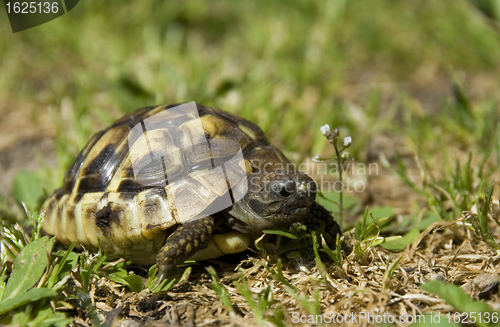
{"x":340,"y":162}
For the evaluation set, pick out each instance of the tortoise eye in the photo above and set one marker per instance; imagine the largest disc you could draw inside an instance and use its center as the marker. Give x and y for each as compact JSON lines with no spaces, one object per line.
{"x":285,"y":188}
{"x":284,"y":193}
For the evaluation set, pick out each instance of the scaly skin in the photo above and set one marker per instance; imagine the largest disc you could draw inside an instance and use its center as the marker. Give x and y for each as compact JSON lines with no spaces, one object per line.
{"x":188,"y":239}
{"x":320,"y":219}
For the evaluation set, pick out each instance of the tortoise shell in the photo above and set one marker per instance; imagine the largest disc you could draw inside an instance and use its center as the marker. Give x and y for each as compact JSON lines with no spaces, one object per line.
{"x":150,"y":171}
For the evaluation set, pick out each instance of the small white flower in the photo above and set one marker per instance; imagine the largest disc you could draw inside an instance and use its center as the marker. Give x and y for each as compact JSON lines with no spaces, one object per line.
{"x":325,"y":129}
{"x":318,"y":159}
{"x":344,"y":154}
{"x":347,"y":141}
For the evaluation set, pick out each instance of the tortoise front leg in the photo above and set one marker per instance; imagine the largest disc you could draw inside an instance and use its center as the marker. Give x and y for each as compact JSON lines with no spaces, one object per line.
{"x":320,"y":219}
{"x":189,"y":238}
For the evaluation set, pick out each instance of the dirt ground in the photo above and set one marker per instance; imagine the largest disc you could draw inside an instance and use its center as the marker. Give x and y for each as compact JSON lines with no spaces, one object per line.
{"x":26,"y":136}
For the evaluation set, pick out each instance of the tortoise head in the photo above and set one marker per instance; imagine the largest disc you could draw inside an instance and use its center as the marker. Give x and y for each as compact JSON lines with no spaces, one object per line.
{"x":278,"y":194}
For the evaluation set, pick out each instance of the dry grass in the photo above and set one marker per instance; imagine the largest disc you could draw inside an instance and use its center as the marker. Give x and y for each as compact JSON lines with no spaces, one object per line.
{"x":445,"y":251}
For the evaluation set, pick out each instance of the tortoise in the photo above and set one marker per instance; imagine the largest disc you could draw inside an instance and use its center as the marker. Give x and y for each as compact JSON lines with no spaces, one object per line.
{"x":172,"y":182}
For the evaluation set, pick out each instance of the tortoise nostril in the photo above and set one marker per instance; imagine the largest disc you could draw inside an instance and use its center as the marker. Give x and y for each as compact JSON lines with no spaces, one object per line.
{"x":285,"y":189}
{"x":284,"y":193}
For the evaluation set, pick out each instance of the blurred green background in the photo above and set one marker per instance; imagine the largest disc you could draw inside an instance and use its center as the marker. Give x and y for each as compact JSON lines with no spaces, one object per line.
{"x":417,"y":76}
{"x":413,"y":70}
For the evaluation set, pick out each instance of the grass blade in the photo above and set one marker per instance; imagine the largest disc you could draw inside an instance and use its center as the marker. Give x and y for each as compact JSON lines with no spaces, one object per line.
{"x":25,"y":298}
{"x":498,"y":148}
{"x":482,"y":222}
{"x":457,"y":298}
{"x":220,"y":289}
{"x":28,"y":267}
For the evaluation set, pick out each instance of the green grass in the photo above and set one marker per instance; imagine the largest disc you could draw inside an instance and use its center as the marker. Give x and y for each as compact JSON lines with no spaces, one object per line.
{"x":478,"y":312}
{"x":367,"y":67}
{"x":275,"y":64}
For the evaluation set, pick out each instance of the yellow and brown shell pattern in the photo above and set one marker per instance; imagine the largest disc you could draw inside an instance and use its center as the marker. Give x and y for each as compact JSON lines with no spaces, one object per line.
{"x":148,"y":172}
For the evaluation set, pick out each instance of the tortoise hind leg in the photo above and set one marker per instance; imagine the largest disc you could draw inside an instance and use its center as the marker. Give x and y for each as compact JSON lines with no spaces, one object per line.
{"x":191,"y":237}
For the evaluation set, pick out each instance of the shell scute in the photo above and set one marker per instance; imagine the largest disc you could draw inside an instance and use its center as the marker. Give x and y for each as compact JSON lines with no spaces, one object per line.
{"x":102,"y":161}
{"x":91,"y":232}
{"x":153,"y":214}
